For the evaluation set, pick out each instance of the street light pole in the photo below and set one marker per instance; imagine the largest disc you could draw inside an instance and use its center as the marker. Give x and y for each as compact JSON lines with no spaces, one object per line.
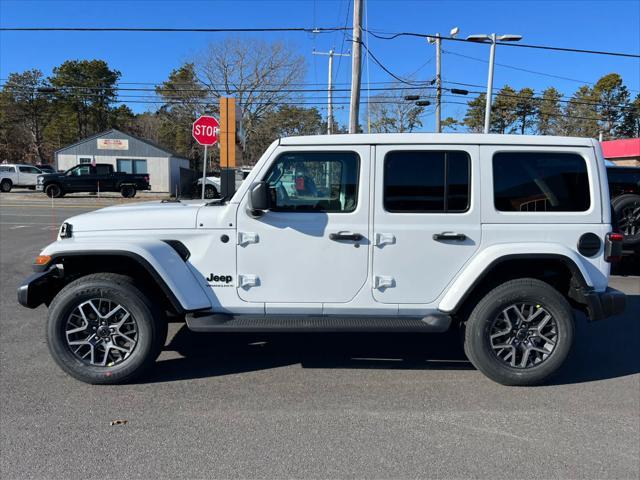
{"x":487,"y":110}
{"x":492,"y":39}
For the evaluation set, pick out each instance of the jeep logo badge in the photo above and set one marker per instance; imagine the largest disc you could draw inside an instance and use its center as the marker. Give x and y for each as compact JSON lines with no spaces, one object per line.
{"x":225,"y":280}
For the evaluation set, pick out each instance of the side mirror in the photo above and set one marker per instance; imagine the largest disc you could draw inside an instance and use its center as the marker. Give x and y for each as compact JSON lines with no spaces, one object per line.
{"x":259,"y":198}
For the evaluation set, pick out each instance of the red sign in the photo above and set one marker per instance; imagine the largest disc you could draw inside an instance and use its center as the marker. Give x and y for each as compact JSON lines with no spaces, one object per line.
{"x":205,"y":130}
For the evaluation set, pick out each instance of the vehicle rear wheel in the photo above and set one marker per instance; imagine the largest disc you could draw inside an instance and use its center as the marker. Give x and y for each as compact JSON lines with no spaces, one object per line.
{"x":102,"y":329}
{"x":520,"y":333}
{"x":626,"y":209}
{"x":6,"y":185}
{"x":53,"y":190}
{"x":211,"y":192}
{"x":128,"y":191}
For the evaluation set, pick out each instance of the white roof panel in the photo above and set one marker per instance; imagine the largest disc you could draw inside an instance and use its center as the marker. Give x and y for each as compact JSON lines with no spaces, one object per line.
{"x":435,"y":138}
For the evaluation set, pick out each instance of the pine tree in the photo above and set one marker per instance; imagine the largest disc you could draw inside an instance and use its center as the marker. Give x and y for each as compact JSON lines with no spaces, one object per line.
{"x":630,"y":125}
{"x":474,"y":118}
{"x":526,"y":108}
{"x":548,"y":119}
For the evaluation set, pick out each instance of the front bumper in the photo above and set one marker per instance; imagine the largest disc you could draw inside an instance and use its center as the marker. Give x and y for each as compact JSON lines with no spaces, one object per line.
{"x":40,"y":187}
{"x":601,"y":305}
{"x":38,"y":288}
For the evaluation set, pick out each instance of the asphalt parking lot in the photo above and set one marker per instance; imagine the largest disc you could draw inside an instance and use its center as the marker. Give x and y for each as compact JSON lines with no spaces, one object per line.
{"x":303,"y":405}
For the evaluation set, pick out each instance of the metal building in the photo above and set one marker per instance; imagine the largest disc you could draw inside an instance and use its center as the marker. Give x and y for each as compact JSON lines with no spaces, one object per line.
{"x":127,"y":154}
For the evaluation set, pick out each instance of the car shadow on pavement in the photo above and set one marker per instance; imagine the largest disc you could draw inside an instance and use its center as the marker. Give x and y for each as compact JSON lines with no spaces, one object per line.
{"x":210,"y":355}
{"x":602,"y":350}
{"x":605,"y":349}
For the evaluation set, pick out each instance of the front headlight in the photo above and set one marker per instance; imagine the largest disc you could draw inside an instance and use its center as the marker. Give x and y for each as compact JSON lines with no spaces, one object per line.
{"x":40,"y":179}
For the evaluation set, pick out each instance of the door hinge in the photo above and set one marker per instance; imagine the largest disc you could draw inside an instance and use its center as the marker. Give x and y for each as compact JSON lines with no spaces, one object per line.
{"x":245,"y":238}
{"x":247,"y":281}
{"x":385,"y":239}
{"x":382,"y":282}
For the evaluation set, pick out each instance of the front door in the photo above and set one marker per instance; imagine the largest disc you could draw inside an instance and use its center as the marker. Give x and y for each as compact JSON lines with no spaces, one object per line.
{"x":28,"y":176}
{"x":312,"y":245}
{"x":426,"y":219}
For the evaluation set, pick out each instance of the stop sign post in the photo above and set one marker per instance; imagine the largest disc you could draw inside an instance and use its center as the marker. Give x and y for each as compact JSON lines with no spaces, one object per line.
{"x":205,"y":131}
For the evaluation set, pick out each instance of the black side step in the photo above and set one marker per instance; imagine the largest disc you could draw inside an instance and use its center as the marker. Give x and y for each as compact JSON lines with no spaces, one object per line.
{"x":219,"y":322}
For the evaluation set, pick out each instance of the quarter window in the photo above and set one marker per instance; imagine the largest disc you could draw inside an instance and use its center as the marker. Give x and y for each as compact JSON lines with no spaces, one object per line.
{"x":426,"y":181}
{"x":540,"y":182}
{"x":314,"y":182}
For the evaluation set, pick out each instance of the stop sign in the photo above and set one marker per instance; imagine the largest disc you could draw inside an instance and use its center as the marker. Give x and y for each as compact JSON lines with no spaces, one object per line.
{"x":205,"y":130}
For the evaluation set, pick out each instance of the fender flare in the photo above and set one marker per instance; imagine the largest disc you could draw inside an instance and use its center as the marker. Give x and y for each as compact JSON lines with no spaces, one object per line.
{"x":479,"y":267}
{"x":177,"y":278}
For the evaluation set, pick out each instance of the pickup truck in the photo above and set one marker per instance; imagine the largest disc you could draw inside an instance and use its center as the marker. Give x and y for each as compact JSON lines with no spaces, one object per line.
{"x":92,"y":178}
{"x":18,"y":175}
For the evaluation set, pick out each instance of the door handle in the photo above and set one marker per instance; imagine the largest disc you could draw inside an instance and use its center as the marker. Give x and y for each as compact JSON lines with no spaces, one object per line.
{"x":459,"y":237}
{"x":353,"y":237}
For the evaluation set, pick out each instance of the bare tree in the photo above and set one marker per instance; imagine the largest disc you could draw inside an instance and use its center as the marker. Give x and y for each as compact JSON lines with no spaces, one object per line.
{"x":391,"y":113}
{"x":258,"y":74}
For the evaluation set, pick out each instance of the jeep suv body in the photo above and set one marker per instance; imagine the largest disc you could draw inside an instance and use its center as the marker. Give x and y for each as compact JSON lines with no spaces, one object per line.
{"x":501,"y":236}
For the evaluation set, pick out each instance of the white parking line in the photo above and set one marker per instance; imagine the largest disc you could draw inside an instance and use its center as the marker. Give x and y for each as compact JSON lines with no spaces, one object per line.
{"x":15,"y":227}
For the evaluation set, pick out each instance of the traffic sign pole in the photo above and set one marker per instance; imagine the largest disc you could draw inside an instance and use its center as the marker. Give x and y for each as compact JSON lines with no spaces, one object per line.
{"x":204,"y":170}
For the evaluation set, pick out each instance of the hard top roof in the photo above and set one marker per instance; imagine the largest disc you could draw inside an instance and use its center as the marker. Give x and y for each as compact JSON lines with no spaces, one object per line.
{"x":435,"y":138}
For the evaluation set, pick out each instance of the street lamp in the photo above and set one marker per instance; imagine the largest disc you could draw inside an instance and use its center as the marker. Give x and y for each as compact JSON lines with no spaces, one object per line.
{"x":436,"y":39}
{"x":493,"y":38}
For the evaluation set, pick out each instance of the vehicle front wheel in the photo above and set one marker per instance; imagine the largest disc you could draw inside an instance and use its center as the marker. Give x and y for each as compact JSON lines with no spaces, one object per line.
{"x":6,"y":185}
{"x":520,"y":333}
{"x":53,"y":190}
{"x":102,"y":329}
{"x":128,"y":191}
{"x":211,"y":192}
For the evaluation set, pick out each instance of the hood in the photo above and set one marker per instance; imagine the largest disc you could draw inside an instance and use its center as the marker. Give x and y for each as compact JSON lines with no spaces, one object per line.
{"x":139,"y":216}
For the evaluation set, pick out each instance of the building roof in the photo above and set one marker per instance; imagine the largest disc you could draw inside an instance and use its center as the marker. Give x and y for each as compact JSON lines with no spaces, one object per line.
{"x":625,"y":148}
{"x":436,"y":138}
{"x":123,"y":134}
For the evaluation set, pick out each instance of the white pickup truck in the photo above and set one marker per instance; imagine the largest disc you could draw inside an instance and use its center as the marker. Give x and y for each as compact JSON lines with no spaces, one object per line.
{"x":18,"y":175}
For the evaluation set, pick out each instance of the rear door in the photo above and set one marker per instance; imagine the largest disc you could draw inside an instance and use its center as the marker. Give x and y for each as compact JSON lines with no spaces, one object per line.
{"x":426,"y":219}
{"x":28,"y":176}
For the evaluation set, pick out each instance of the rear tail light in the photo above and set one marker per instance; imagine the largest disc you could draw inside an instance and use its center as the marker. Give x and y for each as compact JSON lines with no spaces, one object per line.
{"x":613,"y":247}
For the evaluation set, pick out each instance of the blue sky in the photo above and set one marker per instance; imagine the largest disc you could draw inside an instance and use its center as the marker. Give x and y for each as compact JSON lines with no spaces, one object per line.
{"x":149,"y":57}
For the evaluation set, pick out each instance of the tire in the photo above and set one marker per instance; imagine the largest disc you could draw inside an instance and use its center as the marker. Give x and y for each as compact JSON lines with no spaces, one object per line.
{"x":6,"y":185}
{"x":210,"y":192}
{"x":120,"y":294}
{"x":128,"y":191}
{"x":488,"y":319}
{"x":626,"y":210}
{"x":53,"y":190}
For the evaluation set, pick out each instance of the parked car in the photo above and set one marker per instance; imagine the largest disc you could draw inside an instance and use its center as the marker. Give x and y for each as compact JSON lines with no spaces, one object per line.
{"x":92,"y":178}
{"x":18,"y":175}
{"x":624,"y":189}
{"x":212,"y":184}
{"x":500,"y":236}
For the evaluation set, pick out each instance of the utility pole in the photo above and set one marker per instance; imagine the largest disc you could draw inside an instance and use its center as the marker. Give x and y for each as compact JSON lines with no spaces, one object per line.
{"x":356,"y":63}
{"x":331,"y":54}
{"x":438,"y":84}
{"x":437,"y":40}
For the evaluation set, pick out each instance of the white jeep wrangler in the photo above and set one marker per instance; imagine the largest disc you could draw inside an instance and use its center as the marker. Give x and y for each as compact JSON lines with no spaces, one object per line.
{"x":500,"y":236}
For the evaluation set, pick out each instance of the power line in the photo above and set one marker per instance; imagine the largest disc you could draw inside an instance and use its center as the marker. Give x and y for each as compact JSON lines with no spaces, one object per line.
{"x":392,"y":36}
{"x":173,"y":30}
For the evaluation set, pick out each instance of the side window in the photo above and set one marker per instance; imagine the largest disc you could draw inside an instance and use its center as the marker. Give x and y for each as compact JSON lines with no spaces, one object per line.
{"x":103,"y":170}
{"x":82,"y":171}
{"x":540,"y":182}
{"x":426,"y":181}
{"x":314,"y":182}
{"x":29,"y":170}
{"x":5,"y":168}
